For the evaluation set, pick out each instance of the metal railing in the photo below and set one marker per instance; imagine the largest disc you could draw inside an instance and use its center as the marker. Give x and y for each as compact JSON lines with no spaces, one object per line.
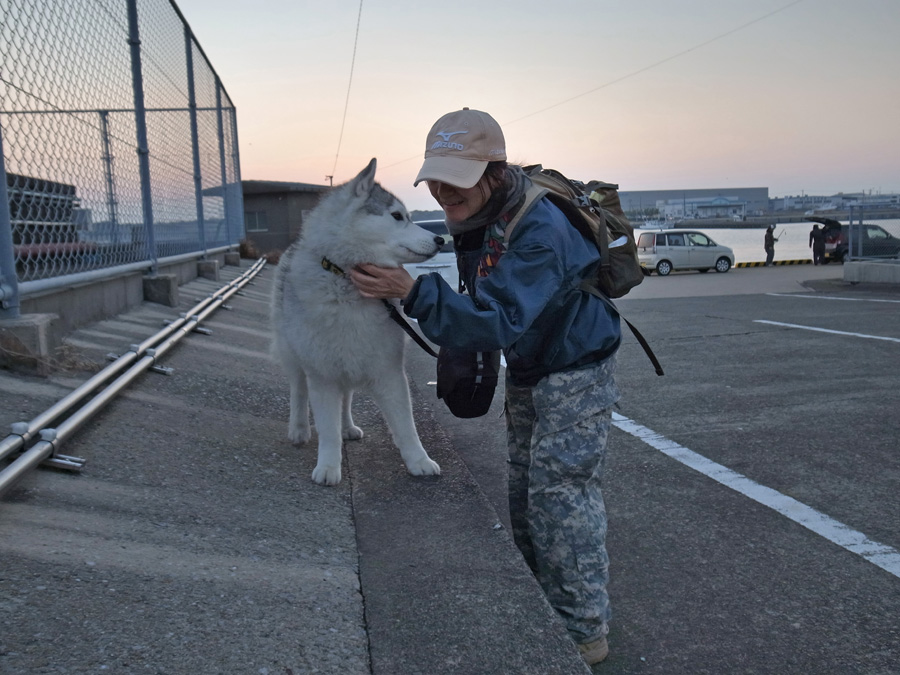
{"x":118,"y":143}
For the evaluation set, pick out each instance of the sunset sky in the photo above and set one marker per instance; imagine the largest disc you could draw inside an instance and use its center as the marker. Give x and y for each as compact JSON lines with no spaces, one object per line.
{"x":800,"y":96}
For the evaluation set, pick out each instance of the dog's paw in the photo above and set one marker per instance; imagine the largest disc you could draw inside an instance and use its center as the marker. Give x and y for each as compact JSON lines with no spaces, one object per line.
{"x":424,"y":467}
{"x":353,"y":433}
{"x":326,"y":475}
{"x":299,"y":435}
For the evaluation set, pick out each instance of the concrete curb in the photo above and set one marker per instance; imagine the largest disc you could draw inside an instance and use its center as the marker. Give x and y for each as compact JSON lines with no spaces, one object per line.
{"x":445,"y":589}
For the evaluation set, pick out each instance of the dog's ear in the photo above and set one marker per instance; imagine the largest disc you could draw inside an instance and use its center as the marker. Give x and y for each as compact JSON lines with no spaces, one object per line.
{"x":365,"y":180}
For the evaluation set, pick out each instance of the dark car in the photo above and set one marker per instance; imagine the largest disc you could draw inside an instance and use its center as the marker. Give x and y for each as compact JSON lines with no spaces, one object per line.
{"x":868,"y":241}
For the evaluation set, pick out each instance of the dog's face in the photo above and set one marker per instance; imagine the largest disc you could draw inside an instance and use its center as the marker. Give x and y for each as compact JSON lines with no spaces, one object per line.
{"x":381,"y":230}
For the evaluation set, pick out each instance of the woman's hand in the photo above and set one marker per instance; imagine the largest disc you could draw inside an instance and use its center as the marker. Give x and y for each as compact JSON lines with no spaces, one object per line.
{"x":381,"y":282}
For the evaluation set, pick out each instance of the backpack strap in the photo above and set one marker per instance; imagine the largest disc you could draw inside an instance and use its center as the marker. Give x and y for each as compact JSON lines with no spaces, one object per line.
{"x":603,"y":244}
{"x":588,"y":287}
{"x":571,"y":210}
{"x":532,"y":195}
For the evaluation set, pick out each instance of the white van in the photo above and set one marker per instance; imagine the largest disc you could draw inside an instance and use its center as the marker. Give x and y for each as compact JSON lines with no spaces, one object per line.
{"x":666,"y":250}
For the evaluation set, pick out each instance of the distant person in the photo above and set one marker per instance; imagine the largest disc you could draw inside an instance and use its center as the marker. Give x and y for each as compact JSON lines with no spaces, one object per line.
{"x":817,"y":242}
{"x":769,"y":245}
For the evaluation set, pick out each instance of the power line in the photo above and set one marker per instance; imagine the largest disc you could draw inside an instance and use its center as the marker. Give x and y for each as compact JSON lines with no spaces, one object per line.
{"x":634,"y":73}
{"x":349,"y":83}
{"x":658,"y":63}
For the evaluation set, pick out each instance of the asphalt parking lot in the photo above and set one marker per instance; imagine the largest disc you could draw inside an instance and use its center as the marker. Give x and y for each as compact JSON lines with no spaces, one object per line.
{"x":804,"y":404}
{"x":784,"y":383}
{"x":754,"y":523}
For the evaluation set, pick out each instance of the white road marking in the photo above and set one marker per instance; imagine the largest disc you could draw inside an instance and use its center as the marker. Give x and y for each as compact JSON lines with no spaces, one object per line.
{"x":829,"y":297}
{"x":885,"y":557}
{"x":827,"y":330}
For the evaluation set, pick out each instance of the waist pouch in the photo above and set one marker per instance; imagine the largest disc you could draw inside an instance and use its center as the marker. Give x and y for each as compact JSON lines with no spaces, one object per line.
{"x":466,"y":380}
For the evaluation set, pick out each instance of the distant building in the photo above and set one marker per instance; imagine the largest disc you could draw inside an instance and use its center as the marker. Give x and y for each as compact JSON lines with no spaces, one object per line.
{"x":842,"y":201}
{"x":274,"y":211}
{"x":708,"y":207}
{"x":809,"y":203}
{"x":697,"y":203}
{"x":886,"y":201}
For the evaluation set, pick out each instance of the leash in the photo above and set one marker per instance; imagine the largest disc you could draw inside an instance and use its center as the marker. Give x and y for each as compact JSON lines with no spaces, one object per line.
{"x":400,"y":321}
{"x":391,"y":310}
{"x":588,"y":287}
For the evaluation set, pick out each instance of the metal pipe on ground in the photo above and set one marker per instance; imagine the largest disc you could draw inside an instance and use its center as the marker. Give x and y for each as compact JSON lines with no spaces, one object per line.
{"x":52,"y":439}
{"x":24,"y":432}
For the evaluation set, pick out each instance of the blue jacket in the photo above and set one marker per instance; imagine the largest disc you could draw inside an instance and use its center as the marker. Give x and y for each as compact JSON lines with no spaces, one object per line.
{"x":529,"y":305}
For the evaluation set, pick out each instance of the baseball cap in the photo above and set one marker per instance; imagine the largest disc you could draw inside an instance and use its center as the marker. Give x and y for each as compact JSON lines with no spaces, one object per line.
{"x":459,"y":147}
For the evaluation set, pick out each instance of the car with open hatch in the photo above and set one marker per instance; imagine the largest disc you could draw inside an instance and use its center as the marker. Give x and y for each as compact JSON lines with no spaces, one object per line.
{"x":865,"y":240}
{"x":664,"y":251}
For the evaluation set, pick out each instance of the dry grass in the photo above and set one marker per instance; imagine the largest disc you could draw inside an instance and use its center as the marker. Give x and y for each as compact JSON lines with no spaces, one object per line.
{"x":249,"y":251}
{"x":66,"y":359}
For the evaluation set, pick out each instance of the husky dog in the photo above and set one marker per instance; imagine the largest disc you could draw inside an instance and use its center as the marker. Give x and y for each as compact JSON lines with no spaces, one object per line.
{"x":329,"y":339}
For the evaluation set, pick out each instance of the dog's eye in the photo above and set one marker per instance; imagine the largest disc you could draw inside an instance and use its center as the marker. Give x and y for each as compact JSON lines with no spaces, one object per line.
{"x":397,"y":215}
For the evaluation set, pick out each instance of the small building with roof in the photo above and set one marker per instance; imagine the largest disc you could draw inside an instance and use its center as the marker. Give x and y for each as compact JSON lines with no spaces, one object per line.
{"x":274,"y":211}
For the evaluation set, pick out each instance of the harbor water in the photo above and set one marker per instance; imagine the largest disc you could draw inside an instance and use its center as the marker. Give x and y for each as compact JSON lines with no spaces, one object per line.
{"x":792,"y":244}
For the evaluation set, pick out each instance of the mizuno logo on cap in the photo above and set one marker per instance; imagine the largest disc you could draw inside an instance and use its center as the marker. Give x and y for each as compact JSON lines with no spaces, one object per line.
{"x":447,"y":135}
{"x":449,"y":146}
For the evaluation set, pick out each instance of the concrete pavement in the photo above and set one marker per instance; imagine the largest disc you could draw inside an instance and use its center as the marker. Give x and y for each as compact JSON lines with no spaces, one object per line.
{"x":194,"y":541}
{"x":707,"y":580}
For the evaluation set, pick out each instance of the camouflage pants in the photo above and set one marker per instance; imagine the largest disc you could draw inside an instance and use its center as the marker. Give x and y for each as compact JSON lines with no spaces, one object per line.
{"x":557,"y":434}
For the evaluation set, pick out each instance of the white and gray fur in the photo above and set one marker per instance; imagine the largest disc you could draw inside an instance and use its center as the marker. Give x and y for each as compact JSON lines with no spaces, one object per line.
{"x":329,"y":339}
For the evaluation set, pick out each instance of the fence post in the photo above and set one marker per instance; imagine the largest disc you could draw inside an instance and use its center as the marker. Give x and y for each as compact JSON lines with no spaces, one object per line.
{"x":195,"y":141}
{"x":111,"y":202}
{"x":9,"y":283}
{"x":859,"y":230}
{"x":226,"y":197}
{"x":140,"y":123}
{"x":238,"y":190}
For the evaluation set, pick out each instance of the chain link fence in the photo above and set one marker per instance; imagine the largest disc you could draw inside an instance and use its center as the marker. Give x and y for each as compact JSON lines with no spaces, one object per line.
{"x":119,"y":143}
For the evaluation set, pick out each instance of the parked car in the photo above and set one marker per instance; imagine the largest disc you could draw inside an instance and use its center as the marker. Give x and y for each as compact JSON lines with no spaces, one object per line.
{"x":665,"y":250}
{"x":444,"y":262}
{"x":869,"y":241}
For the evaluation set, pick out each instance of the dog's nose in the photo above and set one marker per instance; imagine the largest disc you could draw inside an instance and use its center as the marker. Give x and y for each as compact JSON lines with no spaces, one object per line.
{"x":439,"y":240}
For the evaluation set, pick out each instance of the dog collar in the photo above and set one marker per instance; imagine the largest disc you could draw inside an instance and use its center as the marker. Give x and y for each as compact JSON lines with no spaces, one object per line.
{"x":395,"y":315}
{"x":331,"y":267}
